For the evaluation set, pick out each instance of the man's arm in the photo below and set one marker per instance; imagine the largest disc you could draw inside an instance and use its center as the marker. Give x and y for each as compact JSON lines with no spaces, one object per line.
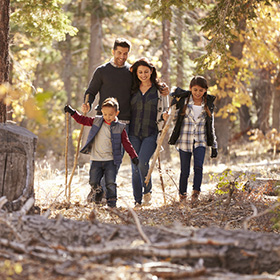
{"x":93,"y":88}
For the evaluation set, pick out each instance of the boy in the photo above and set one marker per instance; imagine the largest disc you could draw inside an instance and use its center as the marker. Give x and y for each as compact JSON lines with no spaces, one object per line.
{"x":104,"y":146}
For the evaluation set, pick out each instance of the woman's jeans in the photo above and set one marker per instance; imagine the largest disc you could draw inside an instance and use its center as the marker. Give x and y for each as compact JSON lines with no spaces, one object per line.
{"x":185,"y":159}
{"x":109,"y":170}
{"x":145,"y":148}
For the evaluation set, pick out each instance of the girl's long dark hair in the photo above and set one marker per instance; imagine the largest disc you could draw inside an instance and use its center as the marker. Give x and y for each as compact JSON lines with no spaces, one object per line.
{"x":135,"y":81}
{"x":202,"y":82}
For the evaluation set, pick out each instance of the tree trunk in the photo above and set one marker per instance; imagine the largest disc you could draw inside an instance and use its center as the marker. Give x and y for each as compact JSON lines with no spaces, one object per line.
{"x":85,"y":243}
{"x":17,"y":153}
{"x":95,"y":47}
{"x":179,"y":48}
{"x":66,"y":76}
{"x":165,"y":58}
{"x":165,"y":73}
{"x":223,"y":125}
{"x":262,"y":96}
{"x":94,"y":54}
{"x":276,"y":104}
{"x":245,"y":120}
{"x":4,"y":52}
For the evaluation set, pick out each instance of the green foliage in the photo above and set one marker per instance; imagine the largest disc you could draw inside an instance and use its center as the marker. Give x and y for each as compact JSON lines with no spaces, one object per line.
{"x":162,"y":8}
{"x":39,"y":68}
{"x":9,"y":270}
{"x":222,"y":26}
{"x":43,"y":19}
{"x":229,"y":181}
{"x":276,"y":220}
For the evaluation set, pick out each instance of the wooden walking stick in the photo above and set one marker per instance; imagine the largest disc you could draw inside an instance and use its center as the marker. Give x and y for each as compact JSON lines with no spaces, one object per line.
{"x":66,"y":152}
{"x":159,"y":142}
{"x":68,"y":189}
{"x":161,"y":179}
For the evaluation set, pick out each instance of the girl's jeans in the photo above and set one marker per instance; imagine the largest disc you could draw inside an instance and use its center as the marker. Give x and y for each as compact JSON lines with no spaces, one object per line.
{"x":109,"y":170}
{"x":145,"y":148}
{"x":185,"y":159}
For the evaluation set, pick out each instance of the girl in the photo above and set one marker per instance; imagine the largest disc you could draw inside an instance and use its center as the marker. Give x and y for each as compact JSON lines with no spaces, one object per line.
{"x":147,"y":107}
{"x":194,"y":129}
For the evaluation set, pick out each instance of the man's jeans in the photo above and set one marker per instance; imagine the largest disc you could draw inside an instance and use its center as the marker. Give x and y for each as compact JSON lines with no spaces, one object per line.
{"x":144,"y":148}
{"x":185,"y":159}
{"x":109,"y":170}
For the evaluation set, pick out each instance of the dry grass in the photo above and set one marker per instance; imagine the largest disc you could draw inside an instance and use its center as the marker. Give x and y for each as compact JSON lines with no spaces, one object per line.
{"x":214,"y":209}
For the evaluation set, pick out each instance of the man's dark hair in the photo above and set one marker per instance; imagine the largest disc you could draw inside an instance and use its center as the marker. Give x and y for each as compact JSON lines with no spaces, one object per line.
{"x":121,"y":42}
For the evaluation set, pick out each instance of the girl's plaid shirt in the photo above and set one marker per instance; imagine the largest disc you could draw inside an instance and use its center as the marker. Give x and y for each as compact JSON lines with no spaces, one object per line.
{"x":192,"y":132}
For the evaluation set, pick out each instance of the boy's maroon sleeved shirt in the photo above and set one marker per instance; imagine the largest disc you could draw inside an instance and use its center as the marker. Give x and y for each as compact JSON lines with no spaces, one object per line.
{"x":88,"y":121}
{"x":128,"y":146}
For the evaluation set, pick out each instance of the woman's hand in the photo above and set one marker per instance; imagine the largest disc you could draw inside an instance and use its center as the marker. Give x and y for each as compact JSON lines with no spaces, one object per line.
{"x":165,"y":116}
{"x":164,"y":89}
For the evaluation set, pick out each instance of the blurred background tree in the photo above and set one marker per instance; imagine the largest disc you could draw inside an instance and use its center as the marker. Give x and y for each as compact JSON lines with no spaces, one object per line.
{"x":56,"y":45}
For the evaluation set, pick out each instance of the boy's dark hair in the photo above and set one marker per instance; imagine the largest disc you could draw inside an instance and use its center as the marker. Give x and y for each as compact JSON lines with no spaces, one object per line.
{"x":121,"y":42}
{"x":111,"y":102}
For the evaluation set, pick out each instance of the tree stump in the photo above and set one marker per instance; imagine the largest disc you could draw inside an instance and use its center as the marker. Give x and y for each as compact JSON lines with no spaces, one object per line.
{"x":17,"y":154}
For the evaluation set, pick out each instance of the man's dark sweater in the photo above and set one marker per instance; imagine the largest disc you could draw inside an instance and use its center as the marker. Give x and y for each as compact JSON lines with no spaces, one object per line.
{"x":112,"y":81}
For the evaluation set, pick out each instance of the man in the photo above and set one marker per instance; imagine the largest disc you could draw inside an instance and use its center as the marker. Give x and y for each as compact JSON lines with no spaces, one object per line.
{"x":113,"y":79}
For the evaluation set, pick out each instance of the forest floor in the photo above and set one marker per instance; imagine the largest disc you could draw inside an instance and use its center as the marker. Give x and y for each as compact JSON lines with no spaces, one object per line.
{"x":235,"y":187}
{"x":239,"y":191}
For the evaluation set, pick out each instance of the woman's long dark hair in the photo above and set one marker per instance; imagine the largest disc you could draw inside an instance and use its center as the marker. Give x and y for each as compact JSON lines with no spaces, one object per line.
{"x":135,"y":81}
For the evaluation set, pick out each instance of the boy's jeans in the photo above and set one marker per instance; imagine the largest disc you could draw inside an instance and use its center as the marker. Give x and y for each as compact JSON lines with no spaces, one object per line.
{"x":109,"y":170}
{"x":185,"y":160}
{"x":102,"y":183}
{"x":144,"y":148}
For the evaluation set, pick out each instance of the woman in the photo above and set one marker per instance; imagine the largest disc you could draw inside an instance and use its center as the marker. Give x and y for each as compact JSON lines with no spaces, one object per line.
{"x":147,"y":108}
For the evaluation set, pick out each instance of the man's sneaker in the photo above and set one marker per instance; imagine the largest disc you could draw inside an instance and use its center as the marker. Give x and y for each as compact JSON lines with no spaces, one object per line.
{"x":147,"y":199}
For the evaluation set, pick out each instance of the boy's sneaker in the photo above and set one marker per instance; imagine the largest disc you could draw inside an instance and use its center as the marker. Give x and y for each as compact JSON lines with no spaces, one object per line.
{"x":98,"y":197}
{"x":95,"y":195}
{"x":90,"y":197}
{"x":147,"y":199}
{"x":112,"y":202}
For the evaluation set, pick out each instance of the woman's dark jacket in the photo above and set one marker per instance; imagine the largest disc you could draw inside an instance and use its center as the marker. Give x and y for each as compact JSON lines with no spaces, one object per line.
{"x":179,"y":97}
